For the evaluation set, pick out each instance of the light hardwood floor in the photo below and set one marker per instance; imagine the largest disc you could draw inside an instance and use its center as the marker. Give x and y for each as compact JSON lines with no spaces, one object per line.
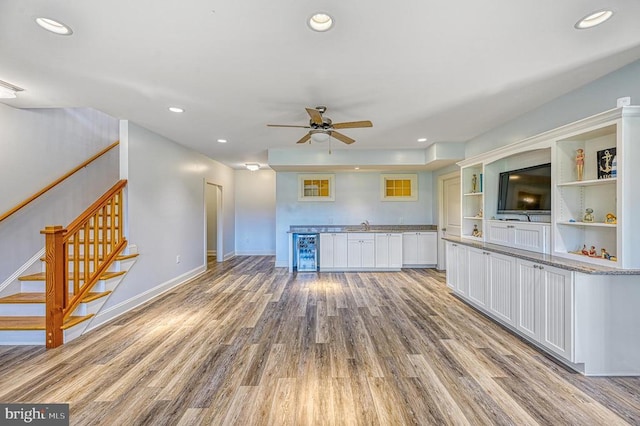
{"x":249,"y":344}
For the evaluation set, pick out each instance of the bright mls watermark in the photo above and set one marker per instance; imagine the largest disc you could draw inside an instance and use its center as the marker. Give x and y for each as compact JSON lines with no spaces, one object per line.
{"x":34,"y":414}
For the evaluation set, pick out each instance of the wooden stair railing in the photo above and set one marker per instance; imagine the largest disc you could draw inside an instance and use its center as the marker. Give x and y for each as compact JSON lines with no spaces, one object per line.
{"x":76,"y":257}
{"x":57,"y":181}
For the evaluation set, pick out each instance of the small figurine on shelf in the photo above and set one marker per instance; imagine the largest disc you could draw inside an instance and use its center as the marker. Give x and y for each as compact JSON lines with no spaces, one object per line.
{"x":588,"y":216}
{"x":476,"y":231}
{"x":611,"y":218}
{"x":584,"y":250}
{"x":474,"y":183}
{"x":592,"y":251}
{"x":479,"y":213}
{"x":580,"y":163}
{"x":604,"y":254}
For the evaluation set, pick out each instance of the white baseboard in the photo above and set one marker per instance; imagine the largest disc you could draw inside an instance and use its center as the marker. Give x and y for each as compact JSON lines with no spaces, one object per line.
{"x":212,"y":252}
{"x":142,"y":298}
{"x":282,"y":264}
{"x":229,"y":256}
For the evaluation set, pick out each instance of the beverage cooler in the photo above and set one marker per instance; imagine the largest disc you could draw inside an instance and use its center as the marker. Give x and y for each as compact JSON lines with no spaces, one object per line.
{"x":306,"y":252}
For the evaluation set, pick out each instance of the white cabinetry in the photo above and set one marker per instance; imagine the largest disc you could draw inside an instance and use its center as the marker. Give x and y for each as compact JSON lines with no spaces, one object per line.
{"x":419,"y":248}
{"x":389,"y":251}
{"x":491,"y":279}
{"x":333,"y":251}
{"x":526,"y":236}
{"x":545,"y":306}
{"x":361,"y":250}
{"x":472,"y":201}
{"x":611,"y":136}
{"x":457,"y":271}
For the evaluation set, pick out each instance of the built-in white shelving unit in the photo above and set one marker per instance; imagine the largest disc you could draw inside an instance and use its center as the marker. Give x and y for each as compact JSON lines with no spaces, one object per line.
{"x":472,"y":201}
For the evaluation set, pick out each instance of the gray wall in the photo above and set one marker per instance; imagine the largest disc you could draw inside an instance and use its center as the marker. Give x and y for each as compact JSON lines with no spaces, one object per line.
{"x":586,"y":101}
{"x":357,"y":198}
{"x":166,"y":215}
{"x":36,"y":147}
{"x":255,"y":212}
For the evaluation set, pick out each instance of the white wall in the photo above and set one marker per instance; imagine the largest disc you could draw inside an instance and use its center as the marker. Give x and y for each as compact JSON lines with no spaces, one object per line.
{"x":357,"y":198}
{"x":255,"y":212}
{"x":36,"y":147}
{"x":166,"y":215}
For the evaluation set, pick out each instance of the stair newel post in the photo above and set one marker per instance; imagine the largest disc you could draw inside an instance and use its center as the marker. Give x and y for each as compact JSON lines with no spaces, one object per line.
{"x":56,"y":283}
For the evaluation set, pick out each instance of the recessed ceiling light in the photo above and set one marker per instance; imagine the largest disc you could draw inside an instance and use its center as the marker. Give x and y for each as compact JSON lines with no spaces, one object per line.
{"x":176,"y":109}
{"x":55,"y":27}
{"x":422,"y":140}
{"x":357,"y":168}
{"x":222,"y":140}
{"x":320,"y":22}
{"x":593,"y":19}
{"x":252,"y":166}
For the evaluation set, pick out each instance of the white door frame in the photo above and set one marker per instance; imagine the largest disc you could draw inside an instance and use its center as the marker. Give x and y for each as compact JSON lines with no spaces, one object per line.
{"x":219,"y":220}
{"x":441,"y":247}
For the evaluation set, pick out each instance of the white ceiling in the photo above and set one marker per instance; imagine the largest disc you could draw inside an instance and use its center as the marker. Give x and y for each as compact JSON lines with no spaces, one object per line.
{"x":445,"y":70}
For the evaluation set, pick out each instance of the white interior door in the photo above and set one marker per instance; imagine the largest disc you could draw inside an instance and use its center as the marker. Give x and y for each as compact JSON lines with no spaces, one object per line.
{"x":451,"y":207}
{"x":449,"y":212}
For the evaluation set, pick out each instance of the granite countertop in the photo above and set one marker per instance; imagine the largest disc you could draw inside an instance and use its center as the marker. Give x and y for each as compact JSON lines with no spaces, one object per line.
{"x":545,"y":259}
{"x":312,"y":229}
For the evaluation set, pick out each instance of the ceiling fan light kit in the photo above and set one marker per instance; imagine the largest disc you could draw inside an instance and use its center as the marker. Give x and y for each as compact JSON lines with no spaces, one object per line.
{"x":323,"y":128}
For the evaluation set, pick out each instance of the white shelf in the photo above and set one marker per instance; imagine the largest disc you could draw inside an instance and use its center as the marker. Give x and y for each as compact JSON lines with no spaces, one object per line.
{"x":472,"y":193}
{"x":592,"y":182}
{"x":473,"y":217}
{"x":597,"y":260}
{"x":471,"y":237}
{"x":594,"y":224}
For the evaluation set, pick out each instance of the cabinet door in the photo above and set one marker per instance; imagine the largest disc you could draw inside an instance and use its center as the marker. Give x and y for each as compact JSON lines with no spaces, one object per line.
{"x":382,"y":251}
{"x":368,"y":253}
{"x":528,"y":312}
{"x":427,"y":245}
{"x":477,"y":276}
{"x":354,"y":253}
{"x":462,"y":257}
{"x":500,"y":233}
{"x":340,"y":250}
{"x":557,"y":310}
{"x":530,"y":237}
{"x":502,"y":287}
{"x":410,"y":248}
{"x":395,"y":250}
{"x":452,"y":265}
{"x":326,"y":250}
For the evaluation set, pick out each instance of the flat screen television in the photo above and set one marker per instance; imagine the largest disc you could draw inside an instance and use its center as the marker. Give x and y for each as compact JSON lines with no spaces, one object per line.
{"x":525,"y":191}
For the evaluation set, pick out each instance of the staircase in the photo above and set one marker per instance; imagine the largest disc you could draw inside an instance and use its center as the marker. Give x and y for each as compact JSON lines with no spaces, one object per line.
{"x":82,"y":266}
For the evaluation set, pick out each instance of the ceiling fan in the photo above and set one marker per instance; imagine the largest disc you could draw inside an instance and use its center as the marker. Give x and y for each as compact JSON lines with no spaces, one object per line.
{"x":322,"y":127}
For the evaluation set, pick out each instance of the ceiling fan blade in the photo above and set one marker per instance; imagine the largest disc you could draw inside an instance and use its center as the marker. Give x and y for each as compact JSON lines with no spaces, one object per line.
{"x":288,"y":125}
{"x":305,"y":138}
{"x":342,"y":138}
{"x":316,"y":117}
{"x":352,"y":124}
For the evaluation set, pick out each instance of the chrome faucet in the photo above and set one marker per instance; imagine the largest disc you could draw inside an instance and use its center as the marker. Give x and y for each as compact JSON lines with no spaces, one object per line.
{"x":366,"y":225}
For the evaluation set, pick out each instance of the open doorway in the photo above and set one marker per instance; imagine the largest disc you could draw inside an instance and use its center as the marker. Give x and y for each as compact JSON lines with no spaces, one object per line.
{"x":213,"y":222}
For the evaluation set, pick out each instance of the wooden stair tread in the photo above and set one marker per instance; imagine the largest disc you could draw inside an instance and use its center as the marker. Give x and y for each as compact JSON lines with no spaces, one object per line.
{"x":40,"y":276}
{"x":36,"y":323}
{"x":37,"y":297}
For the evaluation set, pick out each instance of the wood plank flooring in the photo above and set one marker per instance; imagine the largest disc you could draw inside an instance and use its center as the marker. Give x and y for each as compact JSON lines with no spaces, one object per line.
{"x":249,"y":344}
